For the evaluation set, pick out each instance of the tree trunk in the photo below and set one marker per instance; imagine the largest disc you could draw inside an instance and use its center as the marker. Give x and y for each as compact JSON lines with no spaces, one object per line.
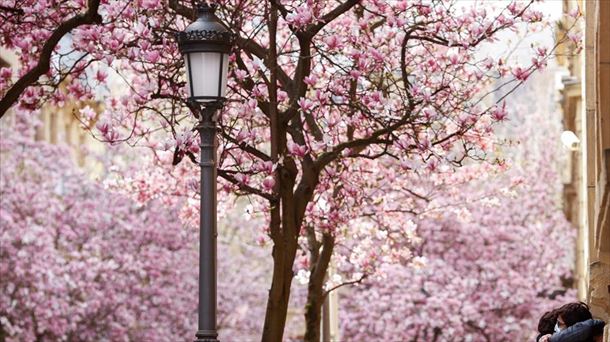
{"x":3,"y":334}
{"x":285,"y":245}
{"x":282,"y":233}
{"x":313,"y":314}
{"x":279,"y":294}
{"x":315,"y":290}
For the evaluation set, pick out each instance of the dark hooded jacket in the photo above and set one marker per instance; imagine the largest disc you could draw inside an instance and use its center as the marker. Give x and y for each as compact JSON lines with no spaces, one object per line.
{"x":580,"y":332}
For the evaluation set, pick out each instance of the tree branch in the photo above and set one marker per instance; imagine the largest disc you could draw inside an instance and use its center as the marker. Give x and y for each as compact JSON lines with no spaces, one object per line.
{"x":44,"y":60}
{"x":330,"y":16}
{"x":356,"y":281}
{"x":257,"y":50}
{"x":14,"y":10}
{"x":327,"y":157}
{"x":246,"y":147}
{"x":182,"y":10}
{"x":244,"y":187}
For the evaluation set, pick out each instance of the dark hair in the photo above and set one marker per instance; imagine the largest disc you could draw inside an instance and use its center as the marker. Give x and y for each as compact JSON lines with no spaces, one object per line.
{"x":546,"y":324}
{"x":573,"y":313}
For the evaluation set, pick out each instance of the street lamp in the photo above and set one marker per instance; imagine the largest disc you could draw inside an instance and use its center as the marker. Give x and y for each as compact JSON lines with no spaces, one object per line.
{"x":205,"y":45}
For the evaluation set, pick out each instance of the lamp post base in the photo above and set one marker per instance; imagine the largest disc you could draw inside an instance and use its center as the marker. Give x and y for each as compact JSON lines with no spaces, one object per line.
{"x":206,"y":336}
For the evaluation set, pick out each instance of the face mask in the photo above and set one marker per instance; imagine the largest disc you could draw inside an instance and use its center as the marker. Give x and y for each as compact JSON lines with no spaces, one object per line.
{"x":557,"y":329}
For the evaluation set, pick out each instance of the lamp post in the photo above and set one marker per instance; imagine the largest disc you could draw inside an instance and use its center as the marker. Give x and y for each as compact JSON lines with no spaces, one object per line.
{"x":205,"y":45}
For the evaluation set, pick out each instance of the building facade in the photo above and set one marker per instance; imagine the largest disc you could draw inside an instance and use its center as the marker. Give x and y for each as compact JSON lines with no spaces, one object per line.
{"x":586,"y":113}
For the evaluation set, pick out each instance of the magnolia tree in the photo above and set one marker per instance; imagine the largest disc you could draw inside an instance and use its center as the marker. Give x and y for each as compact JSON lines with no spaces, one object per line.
{"x":79,"y":263}
{"x":490,"y":268}
{"x":82,"y":261}
{"x":319,"y":90}
{"x":497,"y":250}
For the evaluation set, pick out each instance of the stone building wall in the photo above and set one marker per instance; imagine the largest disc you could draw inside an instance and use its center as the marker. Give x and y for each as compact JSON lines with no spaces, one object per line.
{"x":597,"y":118}
{"x":586,"y":112}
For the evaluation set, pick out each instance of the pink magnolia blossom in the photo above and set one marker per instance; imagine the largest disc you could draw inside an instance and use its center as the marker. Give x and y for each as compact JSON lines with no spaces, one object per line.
{"x":100,"y":76}
{"x":88,"y":113}
{"x":495,"y":252}
{"x":520,"y":73}
{"x":500,"y":113}
{"x":377,"y":67}
{"x":268,"y":183}
{"x":297,"y":150}
{"x":102,"y":261}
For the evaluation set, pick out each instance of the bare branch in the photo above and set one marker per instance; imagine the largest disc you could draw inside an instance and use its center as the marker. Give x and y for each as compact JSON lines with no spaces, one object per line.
{"x":226,"y":175}
{"x":246,"y":147}
{"x":14,"y":10}
{"x":182,"y":10}
{"x":352,"y":282}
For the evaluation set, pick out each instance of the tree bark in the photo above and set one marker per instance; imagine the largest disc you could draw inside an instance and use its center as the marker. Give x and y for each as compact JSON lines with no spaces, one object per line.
{"x":2,"y":334}
{"x":279,"y":294}
{"x":315,"y":290}
{"x":284,"y":252}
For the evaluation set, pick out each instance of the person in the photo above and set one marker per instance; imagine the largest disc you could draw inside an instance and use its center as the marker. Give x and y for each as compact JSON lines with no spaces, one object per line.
{"x":575,"y":323}
{"x":591,"y":330}
{"x":546,"y":324}
{"x":572,"y":313}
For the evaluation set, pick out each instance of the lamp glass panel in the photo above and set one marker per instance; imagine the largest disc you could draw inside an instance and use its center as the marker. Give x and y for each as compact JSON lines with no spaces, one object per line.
{"x":225,"y":72}
{"x":188,"y":76}
{"x":204,"y":69}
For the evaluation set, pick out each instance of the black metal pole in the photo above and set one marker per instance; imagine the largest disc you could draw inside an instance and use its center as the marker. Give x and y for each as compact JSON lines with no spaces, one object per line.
{"x":207,"y":226}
